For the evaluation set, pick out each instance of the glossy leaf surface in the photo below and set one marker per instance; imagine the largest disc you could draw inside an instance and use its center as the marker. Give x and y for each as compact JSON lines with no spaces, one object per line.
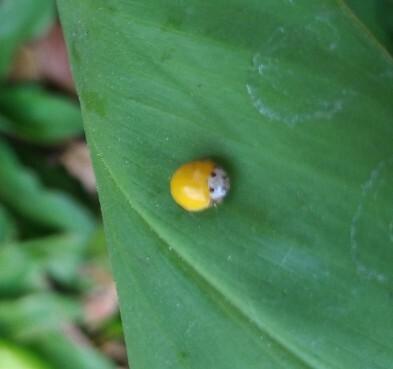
{"x":294,"y":98}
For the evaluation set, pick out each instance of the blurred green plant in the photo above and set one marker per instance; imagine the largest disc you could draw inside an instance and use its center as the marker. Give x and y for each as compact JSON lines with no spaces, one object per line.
{"x":47,"y":235}
{"x":31,"y":113}
{"x":20,"y":21}
{"x":13,"y":357}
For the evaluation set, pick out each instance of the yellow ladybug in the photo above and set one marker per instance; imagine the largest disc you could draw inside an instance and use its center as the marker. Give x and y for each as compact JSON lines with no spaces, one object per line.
{"x":198,"y":185}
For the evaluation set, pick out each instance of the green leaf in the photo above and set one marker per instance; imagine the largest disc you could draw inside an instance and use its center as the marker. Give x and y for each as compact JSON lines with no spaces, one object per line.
{"x":22,"y":20}
{"x":42,"y":321}
{"x":26,"y":265}
{"x":22,"y":190}
{"x":15,"y":357}
{"x":31,"y":113}
{"x":8,"y":229}
{"x":63,"y":353}
{"x":18,"y":271}
{"x":36,"y":315}
{"x":377,"y":15}
{"x":295,"y":99}
{"x":60,"y":256}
